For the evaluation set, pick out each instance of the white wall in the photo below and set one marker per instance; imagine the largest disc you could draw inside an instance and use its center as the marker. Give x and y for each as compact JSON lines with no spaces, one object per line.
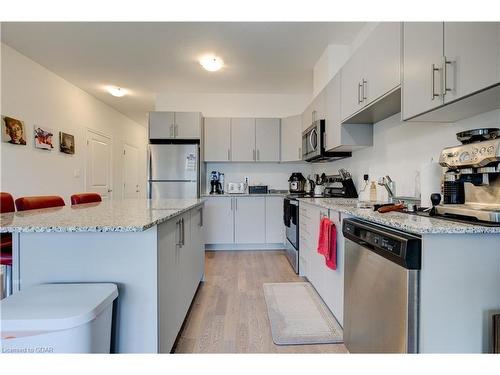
{"x":272,"y":174}
{"x":234,"y":105}
{"x":37,"y":96}
{"x":331,"y":61}
{"x":400,"y":148}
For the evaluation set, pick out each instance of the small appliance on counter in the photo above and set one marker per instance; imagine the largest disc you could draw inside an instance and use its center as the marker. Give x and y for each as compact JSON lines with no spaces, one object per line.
{"x":236,"y":188}
{"x":296,"y":183}
{"x":340,"y":185}
{"x":258,"y":189}
{"x":471,"y":188}
{"x":216,"y":182}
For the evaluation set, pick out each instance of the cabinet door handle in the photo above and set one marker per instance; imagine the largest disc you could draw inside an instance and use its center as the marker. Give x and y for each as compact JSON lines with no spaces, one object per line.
{"x":178,"y":224}
{"x":433,"y":81}
{"x":201,"y":217}
{"x":300,"y":153}
{"x":359,"y":93}
{"x":446,"y":62}
{"x":228,"y":154}
{"x":175,"y":131}
{"x":254,"y":158}
{"x":258,"y":155}
{"x":183,"y":232}
{"x":231,"y":204}
{"x":365,"y":89}
{"x":236,"y":204}
{"x":172,"y":131}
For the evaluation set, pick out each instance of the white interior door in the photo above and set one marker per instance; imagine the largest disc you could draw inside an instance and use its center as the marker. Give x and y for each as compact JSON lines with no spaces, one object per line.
{"x":130,"y":172}
{"x":98,"y":165}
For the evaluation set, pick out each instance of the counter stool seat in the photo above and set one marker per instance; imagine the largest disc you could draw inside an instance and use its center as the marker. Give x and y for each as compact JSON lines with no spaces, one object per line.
{"x":36,"y":202}
{"x":85,"y":198}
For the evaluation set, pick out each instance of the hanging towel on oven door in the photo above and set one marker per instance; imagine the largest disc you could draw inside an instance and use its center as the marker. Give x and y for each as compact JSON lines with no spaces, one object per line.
{"x":327,"y":242}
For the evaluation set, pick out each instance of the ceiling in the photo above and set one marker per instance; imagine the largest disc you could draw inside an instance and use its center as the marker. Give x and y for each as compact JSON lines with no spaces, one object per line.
{"x":148,"y":58}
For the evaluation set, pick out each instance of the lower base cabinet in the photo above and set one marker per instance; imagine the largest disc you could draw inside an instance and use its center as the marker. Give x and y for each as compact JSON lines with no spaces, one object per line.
{"x":181,"y":257}
{"x":244,"y":220}
{"x":328,"y":283}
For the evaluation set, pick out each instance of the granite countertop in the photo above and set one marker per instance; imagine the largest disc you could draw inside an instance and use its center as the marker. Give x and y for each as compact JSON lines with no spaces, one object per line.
{"x":128,"y":215}
{"x":244,"y":195}
{"x":400,"y":220}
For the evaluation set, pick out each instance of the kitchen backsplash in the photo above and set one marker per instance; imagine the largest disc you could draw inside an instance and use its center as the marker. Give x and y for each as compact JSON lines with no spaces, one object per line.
{"x":275,"y":175}
{"x":401,"y":148}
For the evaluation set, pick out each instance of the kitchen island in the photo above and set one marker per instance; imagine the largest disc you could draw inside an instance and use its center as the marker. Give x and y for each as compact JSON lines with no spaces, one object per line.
{"x":152,"y":250}
{"x":459,"y":279}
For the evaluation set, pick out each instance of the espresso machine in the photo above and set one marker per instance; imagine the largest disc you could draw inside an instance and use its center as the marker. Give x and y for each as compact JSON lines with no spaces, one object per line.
{"x":216,"y":182}
{"x":471,"y":186}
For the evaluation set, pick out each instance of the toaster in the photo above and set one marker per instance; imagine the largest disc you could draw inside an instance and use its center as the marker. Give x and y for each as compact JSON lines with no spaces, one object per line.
{"x":236,"y":188}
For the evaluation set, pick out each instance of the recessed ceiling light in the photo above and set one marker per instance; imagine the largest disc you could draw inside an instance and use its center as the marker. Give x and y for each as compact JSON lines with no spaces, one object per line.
{"x":211,"y":63}
{"x":116,"y":91}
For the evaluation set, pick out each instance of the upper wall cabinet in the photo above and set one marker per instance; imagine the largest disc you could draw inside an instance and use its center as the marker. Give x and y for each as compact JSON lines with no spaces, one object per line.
{"x":291,"y":138}
{"x":217,"y":138}
{"x":342,"y":137}
{"x":371,"y":77}
{"x":242,"y":139}
{"x":170,"y":125}
{"x":451,"y":70}
{"x":267,"y":139}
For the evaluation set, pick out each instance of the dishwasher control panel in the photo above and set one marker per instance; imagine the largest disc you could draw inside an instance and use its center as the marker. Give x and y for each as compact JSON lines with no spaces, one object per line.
{"x":400,"y":247}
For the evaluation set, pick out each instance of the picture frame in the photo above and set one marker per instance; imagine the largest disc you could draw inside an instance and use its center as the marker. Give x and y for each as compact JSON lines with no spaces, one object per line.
{"x":13,"y":131}
{"x":66,"y":143}
{"x":43,"y":137}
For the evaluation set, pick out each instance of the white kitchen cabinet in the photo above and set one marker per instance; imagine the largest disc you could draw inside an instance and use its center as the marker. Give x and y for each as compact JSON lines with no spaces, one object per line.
{"x":447,"y":66}
{"x":275,"y":229}
{"x":171,"y":125}
{"x":342,"y":137}
{"x":291,"y":138}
{"x":197,"y":250}
{"x":373,"y":70}
{"x":188,"y":125}
{"x":243,"y":139}
{"x":161,"y":125}
{"x":219,"y":221}
{"x":328,"y":283}
{"x":472,"y":50}
{"x":180,"y":258}
{"x":307,"y":116}
{"x":422,"y":60}
{"x":333,"y":280}
{"x":168,"y":275}
{"x":217,"y":138}
{"x":267,"y":139}
{"x":249,"y":220}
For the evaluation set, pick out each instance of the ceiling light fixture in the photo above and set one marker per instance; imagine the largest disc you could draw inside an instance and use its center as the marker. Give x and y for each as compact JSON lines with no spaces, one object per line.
{"x":211,"y":63}
{"x":116,"y":91}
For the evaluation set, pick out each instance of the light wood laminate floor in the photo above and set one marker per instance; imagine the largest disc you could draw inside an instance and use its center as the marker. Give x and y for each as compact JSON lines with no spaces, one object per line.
{"x":229,"y":313}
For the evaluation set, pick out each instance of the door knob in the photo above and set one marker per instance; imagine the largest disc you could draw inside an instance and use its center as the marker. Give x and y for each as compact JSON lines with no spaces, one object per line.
{"x":110,"y":190}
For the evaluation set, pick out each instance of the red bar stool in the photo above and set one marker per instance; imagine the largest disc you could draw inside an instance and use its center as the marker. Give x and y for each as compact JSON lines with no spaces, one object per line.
{"x":85,"y":198}
{"x":6,"y":205}
{"x":33,"y":203}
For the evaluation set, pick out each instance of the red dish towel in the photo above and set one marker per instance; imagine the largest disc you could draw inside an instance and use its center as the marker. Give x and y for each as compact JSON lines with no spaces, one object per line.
{"x":324,"y":236}
{"x":327,"y":242}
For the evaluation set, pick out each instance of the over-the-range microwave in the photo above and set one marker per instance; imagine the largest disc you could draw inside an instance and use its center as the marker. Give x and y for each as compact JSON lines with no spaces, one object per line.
{"x":313,"y":145}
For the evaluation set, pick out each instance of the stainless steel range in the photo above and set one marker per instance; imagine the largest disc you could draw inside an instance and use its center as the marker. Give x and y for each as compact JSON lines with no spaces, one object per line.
{"x":471,"y":182}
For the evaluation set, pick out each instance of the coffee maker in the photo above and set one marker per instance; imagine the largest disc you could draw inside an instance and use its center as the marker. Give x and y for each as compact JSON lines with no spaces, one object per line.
{"x":216,"y":182}
{"x":471,"y":187}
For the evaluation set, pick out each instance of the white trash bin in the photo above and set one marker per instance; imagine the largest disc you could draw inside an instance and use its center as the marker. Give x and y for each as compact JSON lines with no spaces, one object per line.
{"x":58,"y":318}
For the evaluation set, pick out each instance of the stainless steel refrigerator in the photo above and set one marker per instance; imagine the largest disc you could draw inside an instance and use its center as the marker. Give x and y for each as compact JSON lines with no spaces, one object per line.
{"x":174,"y":171}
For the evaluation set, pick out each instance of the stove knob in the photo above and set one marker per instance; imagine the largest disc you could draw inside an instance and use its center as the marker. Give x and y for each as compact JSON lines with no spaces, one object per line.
{"x":483,"y":150}
{"x":490,"y":149}
{"x":475,"y":151}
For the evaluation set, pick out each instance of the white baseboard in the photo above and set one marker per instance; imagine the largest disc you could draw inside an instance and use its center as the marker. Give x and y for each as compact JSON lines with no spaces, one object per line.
{"x":234,"y":246}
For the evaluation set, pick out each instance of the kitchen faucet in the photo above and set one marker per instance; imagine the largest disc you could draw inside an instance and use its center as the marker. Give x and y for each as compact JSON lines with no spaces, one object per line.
{"x":390,"y":186}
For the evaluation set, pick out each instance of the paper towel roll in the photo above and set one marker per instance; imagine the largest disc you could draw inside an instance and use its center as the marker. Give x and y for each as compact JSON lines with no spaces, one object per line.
{"x":430,"y":181}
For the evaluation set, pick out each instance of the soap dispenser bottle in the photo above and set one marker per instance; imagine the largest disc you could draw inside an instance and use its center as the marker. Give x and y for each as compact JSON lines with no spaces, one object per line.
{"x":373,"y":192}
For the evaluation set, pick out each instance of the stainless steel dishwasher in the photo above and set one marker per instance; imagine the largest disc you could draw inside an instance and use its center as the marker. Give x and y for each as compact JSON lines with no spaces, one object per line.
{"x":380,"y":288}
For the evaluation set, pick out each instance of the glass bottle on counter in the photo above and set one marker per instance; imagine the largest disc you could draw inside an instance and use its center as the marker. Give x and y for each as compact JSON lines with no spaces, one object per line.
{"x":373,"y":192}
